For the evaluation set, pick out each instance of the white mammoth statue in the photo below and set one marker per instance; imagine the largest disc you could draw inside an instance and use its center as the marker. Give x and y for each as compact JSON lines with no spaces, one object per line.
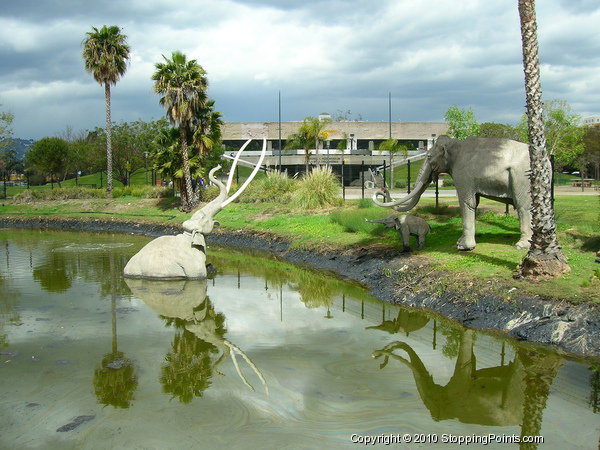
{"x":184,"y":255}
{"x":497,"y":169}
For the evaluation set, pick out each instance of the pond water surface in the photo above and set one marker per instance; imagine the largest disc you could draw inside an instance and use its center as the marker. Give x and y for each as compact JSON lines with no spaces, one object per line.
{"x":264,"y":355}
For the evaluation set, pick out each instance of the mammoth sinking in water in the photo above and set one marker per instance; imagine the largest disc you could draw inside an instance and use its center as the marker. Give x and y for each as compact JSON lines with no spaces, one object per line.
{"x":497,"y":169}
{"x":184,"y":255}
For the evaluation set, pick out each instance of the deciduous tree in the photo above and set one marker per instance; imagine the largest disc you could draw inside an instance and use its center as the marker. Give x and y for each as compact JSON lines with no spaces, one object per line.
{"x":50,"y":155}
{"x":462,"y":122}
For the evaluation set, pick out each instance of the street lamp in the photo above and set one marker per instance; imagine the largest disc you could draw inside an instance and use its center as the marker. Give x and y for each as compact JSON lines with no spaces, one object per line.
{"x":328,"y":142}
{"x":146,"y":155}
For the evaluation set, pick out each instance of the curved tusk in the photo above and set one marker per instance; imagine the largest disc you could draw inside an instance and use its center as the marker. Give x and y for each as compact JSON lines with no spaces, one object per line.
{"x":234,"y":164}
{"x":418,"y":190}
{"x":254,"y":172}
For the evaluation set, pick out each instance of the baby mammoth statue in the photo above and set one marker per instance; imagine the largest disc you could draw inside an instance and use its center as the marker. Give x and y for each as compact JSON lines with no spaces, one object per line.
{"x":406,"y":226}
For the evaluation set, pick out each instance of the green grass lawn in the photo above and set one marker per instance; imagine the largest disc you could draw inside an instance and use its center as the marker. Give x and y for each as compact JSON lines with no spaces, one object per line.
{"x":494,"y":260}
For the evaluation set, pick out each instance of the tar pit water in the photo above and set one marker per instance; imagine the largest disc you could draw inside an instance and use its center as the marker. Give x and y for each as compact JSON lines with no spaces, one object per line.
{"x":263,"y":355}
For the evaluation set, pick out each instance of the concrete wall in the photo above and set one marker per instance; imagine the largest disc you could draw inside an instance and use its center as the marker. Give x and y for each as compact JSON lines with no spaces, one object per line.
{"x":414,"y":131}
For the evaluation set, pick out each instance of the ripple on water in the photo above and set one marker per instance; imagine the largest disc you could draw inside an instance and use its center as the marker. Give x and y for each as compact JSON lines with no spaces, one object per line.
{"x":87,"y":247}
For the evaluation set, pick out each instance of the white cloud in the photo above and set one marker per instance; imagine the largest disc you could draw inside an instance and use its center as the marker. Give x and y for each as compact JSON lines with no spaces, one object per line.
{"x":340,"y":54}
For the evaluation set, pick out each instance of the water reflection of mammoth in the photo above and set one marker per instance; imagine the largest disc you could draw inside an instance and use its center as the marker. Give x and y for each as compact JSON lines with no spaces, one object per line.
{"x":190,"y":364}
{"x":494,"y":396}
{"x":406,"y":322}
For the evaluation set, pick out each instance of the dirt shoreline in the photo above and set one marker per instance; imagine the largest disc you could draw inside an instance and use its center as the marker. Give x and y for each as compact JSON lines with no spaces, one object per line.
{"x":574,"y":329}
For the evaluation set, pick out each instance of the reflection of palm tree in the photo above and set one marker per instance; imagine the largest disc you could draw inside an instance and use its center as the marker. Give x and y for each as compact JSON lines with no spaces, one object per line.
{"x":537,"y":380}
{"x":594,"y":401}
{"x":115,"y":380}
{"x":190,"y":365}
{"x":502,"y":395}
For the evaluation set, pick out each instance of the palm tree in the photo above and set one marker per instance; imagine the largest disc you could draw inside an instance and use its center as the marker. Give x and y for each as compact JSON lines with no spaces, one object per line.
{"x":182,"y":85}
{"x":106,"y":55}
{"x":310,"y":132}
{"x":207,"y":125}
{"x":299,"y":140}
{"x":168,"y":160}
{"x":545,"y":257}
{"x":315,"y":131}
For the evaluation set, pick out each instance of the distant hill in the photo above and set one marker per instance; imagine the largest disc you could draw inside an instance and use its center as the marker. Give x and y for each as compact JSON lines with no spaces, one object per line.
{"x":21,"y":145}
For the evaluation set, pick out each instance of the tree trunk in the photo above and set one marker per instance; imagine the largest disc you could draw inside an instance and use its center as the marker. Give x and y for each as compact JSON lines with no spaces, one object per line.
{"x":187,"y":202}
{"x":109,"y":177}
{"x":545,"y":258}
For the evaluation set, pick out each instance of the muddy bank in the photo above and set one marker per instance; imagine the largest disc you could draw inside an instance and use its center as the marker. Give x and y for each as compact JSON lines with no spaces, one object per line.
{"x":403,"y":279}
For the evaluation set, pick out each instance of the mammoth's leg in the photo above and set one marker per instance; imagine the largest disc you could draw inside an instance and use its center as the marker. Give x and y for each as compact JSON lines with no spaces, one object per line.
{"x":467,"y":211}
{"x":404,"y":236}
{"x":525,"y":225}
{"x":520,"y":187}
{"x":421,"y":240}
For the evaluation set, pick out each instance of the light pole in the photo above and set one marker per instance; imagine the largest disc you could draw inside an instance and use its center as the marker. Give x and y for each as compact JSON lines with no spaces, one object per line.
{"x":437,"y":185}
{"x":280,"y":132}
{"x":146,"y":155}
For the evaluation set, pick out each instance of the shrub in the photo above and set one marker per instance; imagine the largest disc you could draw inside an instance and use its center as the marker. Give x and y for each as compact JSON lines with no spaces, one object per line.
{"x":275,"y":187}
{"x":364,"y":203}
{"x":318,"y":189}
{"x":142,"y":191}
{"x":400,"y":184}
{"x":448,"y":182}
{"x":158,"y":192}
{"x":30,"y":195}
{"x":209,"y":193}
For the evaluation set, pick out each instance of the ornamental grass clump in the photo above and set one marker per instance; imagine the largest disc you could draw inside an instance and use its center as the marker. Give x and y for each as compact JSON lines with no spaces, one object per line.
{"x":319,"y":189}
{"x":275,"y":187}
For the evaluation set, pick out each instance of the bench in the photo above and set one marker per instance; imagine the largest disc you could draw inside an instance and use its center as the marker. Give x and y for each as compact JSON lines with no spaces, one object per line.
{"x":586,"y":182}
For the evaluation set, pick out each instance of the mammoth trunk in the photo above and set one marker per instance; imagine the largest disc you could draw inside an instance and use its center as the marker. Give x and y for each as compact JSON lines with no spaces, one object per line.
{"x":409,"y":201}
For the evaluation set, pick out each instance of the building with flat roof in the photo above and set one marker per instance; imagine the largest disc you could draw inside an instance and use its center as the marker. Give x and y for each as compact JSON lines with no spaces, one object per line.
{"x":359,"y":142}
{"x":359,"y":135}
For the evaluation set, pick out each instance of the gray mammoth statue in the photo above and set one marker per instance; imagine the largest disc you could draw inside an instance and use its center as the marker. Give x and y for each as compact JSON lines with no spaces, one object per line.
{"x":497,"y":169}
{"x":407,"y":226}
{"x":184,"y":255}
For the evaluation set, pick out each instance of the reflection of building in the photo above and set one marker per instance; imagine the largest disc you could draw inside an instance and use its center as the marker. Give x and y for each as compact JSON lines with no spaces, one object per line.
{"x":361,"y":140}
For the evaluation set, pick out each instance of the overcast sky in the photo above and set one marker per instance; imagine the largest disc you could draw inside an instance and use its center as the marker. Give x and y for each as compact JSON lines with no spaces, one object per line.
{"x":323,"y":56}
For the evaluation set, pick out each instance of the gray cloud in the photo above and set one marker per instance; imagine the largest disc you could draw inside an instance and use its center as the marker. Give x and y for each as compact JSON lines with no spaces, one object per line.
{"x":321,"y":55}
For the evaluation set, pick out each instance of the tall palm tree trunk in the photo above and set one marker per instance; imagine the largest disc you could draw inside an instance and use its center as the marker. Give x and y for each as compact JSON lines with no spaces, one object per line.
{"x":109,"y":169}
{"x":187,"y":204}
{"x":545,"y":258}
